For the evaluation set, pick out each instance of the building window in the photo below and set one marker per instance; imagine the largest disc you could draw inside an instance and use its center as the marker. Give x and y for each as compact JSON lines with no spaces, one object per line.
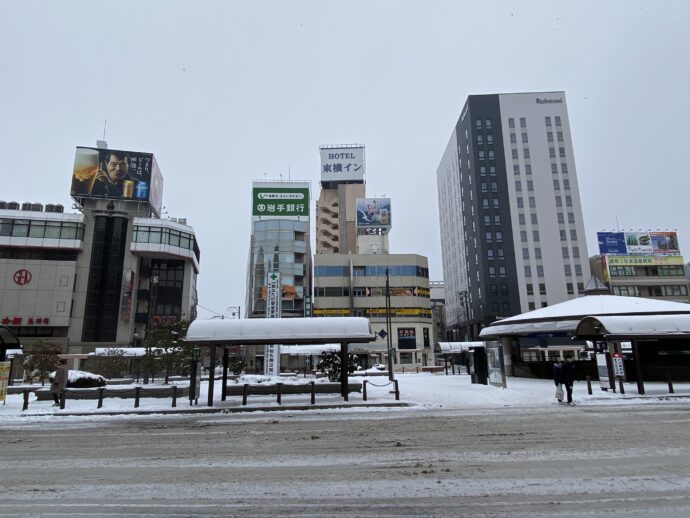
{"x":565,"y":252}
{"x":487,"y":220}
{"x":571,"y":217}
{"x":528,"y":271}
{"x":520,"y":205}
{"x":485,"y":203}
{"x":537,"y":253}
{"x":568,"y":201}
{"x":515,"y":154}
{"x":561,"y":152}
{"x":554,"y":169}
{"x":524,"y":137}
{"x":556,"y":185}
{"x":484,"y":187}
{"x":494,"y":187}
{"x":489,"y":254}
{"x":525,"y":153}
{"x":511,"y":123}
{"x":549,"y":136}
{"x":540,"y":270}
{"x":487,"y":237}
{"x":576,"y":252}
{"x":525,"y":253}
{"x":496,"y":204}
{"x":497,"y":219}
{"x":528,"y":168}
{"x":521,"y":217}
{"x":558,"y":120}
{"x":499,"y":236}
{"x":569,"y":288}
{"x":492,"y":168}
{"x":552,"y":152}
{"x":491,"y":154}
{"x":567,"y":270}
{"x":523,"y":122}
{"x":504,"y":289}
{"x":487,"y":122}
{"x":492,"y":271}
{"x":561,"y":219}
{"x":542,"y":288}
{"x":480,"y":139}
{"x":573,"y":234}
{"x":490,"y":139}
{"x":530,"y":289}
{"x":548,"y":121}
{"x":500,"y":253}
{"x":564,"y":167}
{"x":502,"y":271}
{"x":513,"y":138}
{"x":564,"y":236}
{"x":535,"y":236}
{"x":559,"y":201}
{"x":566,"y":184}
{"x":532,"y":202}
{"x":518,"y":185}
{"x":530,"y":185}
{"x":533,"y":217}
{"x":481,"y":155}
{"x":578,"y":270}
{"x":560,"y":136}
{"x":478,"y":123}
{"x":580,"y":287}
{"x":493,"y":289}
{"x":530,"y":306}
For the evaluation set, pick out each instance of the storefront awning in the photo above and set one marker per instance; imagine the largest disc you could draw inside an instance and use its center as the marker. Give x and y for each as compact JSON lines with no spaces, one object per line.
{"x":458,"y":347}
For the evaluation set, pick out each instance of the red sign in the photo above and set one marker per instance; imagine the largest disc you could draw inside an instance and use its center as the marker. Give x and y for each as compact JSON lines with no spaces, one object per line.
{"x":17,"y":321}
{"x":22,"y":277}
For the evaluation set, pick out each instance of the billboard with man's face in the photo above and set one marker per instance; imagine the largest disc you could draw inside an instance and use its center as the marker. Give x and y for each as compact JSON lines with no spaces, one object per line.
{"x":113,"y":173}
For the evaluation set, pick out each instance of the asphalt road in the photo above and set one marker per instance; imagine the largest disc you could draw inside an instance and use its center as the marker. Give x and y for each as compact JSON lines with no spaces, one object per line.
{"x":555,"y":462}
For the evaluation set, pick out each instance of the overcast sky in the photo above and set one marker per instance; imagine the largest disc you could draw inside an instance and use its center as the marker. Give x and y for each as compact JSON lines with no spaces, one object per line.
{"x":227,"y":92}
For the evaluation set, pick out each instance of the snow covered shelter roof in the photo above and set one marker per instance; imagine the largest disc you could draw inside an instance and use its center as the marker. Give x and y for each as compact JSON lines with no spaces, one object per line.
{"x":635,"y":327}
{"x":308,"y":350}
{"x":458,"y":347}
{"x":280,"y":331}
{"x":567,"y":315}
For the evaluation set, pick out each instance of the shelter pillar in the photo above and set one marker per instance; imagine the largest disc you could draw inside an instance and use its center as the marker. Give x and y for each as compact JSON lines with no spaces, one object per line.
{"x":211,"y":373}
{"x":638,"y":367}
{"x":344,"y":388}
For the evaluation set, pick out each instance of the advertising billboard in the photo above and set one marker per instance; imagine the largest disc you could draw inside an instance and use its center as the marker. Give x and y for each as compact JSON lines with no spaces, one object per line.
{"x":373,"y":212}
{"x":280,"y":201}
{"x":112,"y":173}
{"x":342,"y":163}
{"x":638,"y":243}
{"x":407,"y":338}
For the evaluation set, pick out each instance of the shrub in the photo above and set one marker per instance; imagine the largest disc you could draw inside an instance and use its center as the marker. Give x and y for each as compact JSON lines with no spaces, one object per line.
{"x":82,"y":379}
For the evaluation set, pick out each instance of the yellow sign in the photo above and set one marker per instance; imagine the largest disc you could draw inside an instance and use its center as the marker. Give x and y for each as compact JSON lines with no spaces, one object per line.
{"x":644,"y":260}
{"x":331,"y":311}
{"x":4,"y":378}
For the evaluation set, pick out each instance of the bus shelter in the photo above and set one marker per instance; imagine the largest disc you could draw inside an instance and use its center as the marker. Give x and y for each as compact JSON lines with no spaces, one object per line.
{"x":660,"y":343}
{"x":277,"y":331}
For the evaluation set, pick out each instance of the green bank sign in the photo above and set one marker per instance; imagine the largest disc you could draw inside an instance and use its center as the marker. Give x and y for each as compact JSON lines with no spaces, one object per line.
{"x":280,"y":201}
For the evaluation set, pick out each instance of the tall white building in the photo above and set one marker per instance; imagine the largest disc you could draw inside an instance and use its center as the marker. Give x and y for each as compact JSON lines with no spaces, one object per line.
{"x":512,"y":234}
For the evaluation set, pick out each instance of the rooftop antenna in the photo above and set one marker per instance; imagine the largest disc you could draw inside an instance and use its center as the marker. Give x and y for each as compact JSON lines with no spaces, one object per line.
{"x":618,"y":227}
{"x":102,"y":144}
{"x":289,"y":172}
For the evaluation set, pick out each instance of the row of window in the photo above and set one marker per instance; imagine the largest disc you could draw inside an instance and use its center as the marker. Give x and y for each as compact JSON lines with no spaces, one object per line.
{"x":523,"y":122}
{"x":371,"y":271}
{"x":649,"y":271}
{"x":566,"y":268}
{"x":41,"y":229}
{"x":373,"y":312}
{"x":651,"y":291}
{"x":37,"y":254}
{"x":166,"y":236}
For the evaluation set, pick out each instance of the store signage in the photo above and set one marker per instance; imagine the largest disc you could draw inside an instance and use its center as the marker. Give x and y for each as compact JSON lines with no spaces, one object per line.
{"x":30,"y":321}
{"x":280,"y":201}
{"x":638,"y":243}
{"x":22,"y":277}
{"x":645,"y":260}
{"x":543,"y":100}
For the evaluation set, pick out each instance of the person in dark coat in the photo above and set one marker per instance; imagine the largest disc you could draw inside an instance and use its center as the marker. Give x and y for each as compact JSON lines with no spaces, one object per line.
{"x":567,"y":377}
{"x":59,"y":381}
{"x":557,"y":380}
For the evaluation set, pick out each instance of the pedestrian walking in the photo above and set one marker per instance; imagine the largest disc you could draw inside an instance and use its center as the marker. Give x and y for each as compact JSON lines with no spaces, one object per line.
{"x":60,"y":379}
{"x":568,"y":377}
{"x":557,"y":381}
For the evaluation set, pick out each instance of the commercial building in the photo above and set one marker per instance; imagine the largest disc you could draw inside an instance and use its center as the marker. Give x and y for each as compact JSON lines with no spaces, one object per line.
{"x":641,"y":264}
{"x":102,"y":277}
{"x":512,"y":234}
{"x":354,"y":271}
{"x":279,"y":270}
{"x":437,"y":290}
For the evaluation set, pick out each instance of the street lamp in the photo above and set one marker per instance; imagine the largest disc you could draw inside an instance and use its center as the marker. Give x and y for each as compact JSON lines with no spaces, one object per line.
{"x":464,"y":299}
{"x":391,"y":377}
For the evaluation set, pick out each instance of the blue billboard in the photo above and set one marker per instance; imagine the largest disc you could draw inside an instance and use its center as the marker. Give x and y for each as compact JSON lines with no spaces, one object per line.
{"x":612,"y":243}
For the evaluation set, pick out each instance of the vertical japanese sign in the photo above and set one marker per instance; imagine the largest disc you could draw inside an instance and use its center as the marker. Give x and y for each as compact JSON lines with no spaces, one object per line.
{"x":342,"y":163}
{"x":273,"y":310}
{"x":4,"y":379}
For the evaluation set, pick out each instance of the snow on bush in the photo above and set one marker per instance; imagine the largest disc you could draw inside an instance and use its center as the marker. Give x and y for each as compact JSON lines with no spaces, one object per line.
{"x":82,"y":379}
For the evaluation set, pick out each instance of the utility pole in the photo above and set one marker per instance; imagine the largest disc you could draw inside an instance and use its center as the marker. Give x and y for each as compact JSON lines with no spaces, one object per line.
{"x":391,"y":376}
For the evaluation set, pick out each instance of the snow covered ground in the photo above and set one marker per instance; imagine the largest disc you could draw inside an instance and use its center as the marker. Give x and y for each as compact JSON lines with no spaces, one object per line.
{"x":419,"y":391}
